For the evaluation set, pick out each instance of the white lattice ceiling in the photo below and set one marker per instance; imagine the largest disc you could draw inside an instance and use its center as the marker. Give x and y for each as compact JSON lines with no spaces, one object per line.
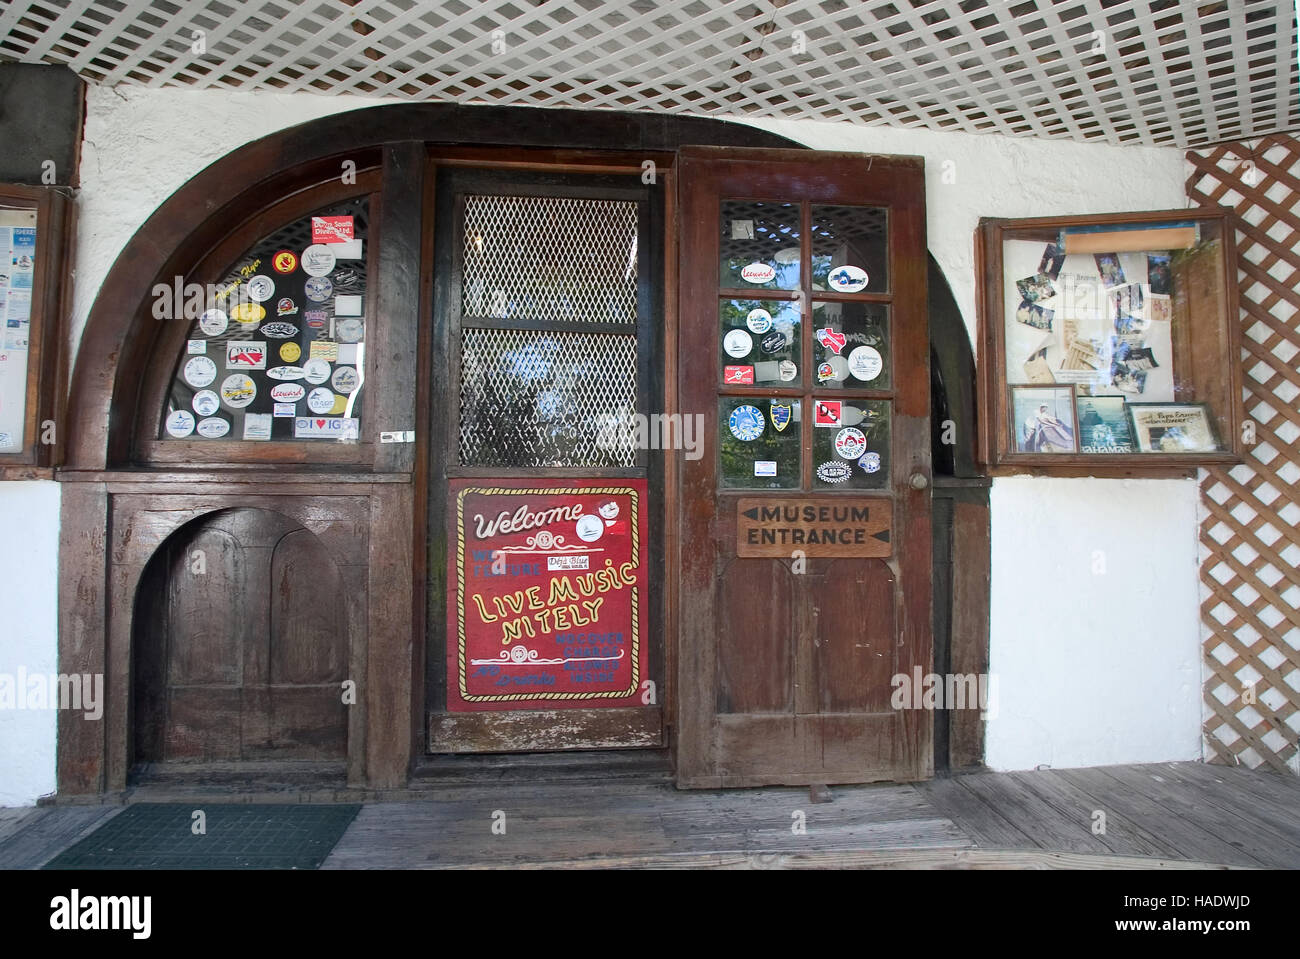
{"x":1157,"y":72}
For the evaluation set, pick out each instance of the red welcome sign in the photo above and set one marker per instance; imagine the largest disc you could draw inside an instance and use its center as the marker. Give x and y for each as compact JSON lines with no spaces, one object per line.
{"x":546,"y":594}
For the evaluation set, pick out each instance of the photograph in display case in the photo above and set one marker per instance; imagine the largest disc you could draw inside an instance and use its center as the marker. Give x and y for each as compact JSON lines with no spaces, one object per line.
{"x":1172,"y":428}
{"x":1044,"y":419}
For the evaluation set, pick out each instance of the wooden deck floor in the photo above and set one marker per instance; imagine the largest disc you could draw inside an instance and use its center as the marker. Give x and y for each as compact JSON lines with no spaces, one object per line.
{"x":1163,"y":815}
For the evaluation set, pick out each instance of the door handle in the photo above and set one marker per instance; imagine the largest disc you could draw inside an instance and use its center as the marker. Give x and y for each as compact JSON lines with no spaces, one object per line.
{"x":919,"y":481}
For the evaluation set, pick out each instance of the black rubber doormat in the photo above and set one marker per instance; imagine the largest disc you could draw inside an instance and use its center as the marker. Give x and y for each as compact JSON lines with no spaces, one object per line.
{"x":233,"y":836}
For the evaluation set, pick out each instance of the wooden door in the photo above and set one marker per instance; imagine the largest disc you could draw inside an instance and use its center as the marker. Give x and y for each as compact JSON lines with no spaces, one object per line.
{"x":805,"y":532}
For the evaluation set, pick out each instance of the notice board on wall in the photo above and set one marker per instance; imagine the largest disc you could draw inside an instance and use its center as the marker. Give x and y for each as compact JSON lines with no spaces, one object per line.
{"x":547,"y":594}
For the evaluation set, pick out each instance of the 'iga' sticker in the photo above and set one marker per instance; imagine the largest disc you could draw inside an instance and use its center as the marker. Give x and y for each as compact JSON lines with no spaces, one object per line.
{"x":261,"y":289}
{"x":764,"y":467}
{"x":200,"y":371}
{"x":320,"y":400}
{"x":213,"y":322}
{"x":759,"y":320}
{"x":286,"y":261}
{"x":865,"y":362}
{"x":290,"y":352}
{"x":288,"y":392}
{"x":289,"y":372}
{"x":738,"y":374}
{"x":835,"y":471}
{"x":848,"y":279}
{"x":746,"y":423}
{"x":213,"y":428}
{"x":180,"y":424}
{"x":316,"y":371}
{"x":318,"y":289}
{"x":246,"y":356}
{"x":345,"y":379}
{"x":325,"y":427}
{"x":317,"y":260}
{"x":737,"y":343}
{"x":205,"y":402}
{"x":238,"y":390}
{"x":758,"y":273}
{"x":850,"y":443}
{"x":870,"y":462}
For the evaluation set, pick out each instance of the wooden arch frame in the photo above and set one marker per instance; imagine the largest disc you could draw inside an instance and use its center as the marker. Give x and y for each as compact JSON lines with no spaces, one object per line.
{"x":106,"y":491}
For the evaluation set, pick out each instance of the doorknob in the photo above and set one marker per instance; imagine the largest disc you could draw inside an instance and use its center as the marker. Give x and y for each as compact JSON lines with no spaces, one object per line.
{"x":919,"y":481}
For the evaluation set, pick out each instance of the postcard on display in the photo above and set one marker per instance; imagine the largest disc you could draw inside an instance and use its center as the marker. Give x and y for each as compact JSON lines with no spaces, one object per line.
{"x":1172,"y":428}
{"x":1159,"y":275}
{"x":1103,"y":425}
{"x":1043,"y":419}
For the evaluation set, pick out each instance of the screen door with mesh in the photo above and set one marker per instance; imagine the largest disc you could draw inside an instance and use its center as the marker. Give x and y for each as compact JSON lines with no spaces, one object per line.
{"x":543,"y":491}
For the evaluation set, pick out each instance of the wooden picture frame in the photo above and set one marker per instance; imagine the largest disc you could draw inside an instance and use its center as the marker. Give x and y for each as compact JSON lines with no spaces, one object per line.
{"x":38,"y":324}
{"x":1186,"y":284}
{"x":1185,"y":426}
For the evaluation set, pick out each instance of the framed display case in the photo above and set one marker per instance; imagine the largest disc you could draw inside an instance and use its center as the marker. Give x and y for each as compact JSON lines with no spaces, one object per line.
{"x":1109,"y":344}
{"x":34,"y":234}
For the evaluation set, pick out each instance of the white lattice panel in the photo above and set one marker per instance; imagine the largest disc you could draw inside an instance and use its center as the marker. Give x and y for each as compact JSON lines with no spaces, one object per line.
{"x":1156,"y":72}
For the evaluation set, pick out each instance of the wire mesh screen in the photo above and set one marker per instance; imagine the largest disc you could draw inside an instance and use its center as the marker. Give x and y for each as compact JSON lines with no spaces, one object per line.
{"x":558,"y":258}
{"x":532,"y":398}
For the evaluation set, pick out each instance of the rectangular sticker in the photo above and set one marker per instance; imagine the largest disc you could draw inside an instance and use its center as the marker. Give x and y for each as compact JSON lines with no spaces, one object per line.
{"x":349,"y":305}
{"x":257,"y":426}
{"x":286,"y":409}
{"x":324,"y":350}
{"x":248,"y":355}
{"x":197,"y":347}
{"x":738,"y":374}
{"x":765,"y":467}
{"x":331,"y":229}
{"x":325,"y":427}
{"x":351,"y":250}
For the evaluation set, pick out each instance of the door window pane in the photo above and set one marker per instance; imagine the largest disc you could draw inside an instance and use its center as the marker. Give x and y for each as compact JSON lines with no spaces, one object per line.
{"x":848,"y":244}
{"x":759,"y":343}
{"x":759,"y":245}
{"x":850,"y":444}
{"x":758,"y":440}
{"x":851,"y":345}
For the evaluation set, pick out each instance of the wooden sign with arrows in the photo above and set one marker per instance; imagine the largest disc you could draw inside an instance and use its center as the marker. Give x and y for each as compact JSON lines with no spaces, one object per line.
{"x":826,"y":526}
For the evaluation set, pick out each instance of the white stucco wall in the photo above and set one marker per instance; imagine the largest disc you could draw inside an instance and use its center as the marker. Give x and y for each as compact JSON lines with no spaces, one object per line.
{"x":1076,"y":687}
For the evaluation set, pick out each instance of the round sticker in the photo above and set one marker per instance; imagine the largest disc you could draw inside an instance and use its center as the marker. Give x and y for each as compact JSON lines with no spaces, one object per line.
{"x":774,"y":342}
{"x":834,"y":472}
{"x":870,"y":462}
{"x":340,"y":405}
{"x":200,"y":371}
{"x":759,"y":321}
{"x":746,"y":423}
{"x":318,"y":259}
{"x":248,"y":313}
{"x":286,"y":261}
{"x":261,"y":289}
{"x":320,"y":400}
{"x":758,"y":273}
{"x":787,"y":370}
{"x":345,"y":379}
{"x":350,"y":330}
{"x":214,"y":427}
{"x":850,"y":443}
{"x":865,"y":362}
{"x":737,"y":343}
{"x":238,"y":390}
{"x":290,"y":352}
{"x":180,"y":424}
{"x":288,"y":392}
{"x":590,"y":527}
{"x":318,"y":289}
{"x":214,"y":322}
{"x":205,"y":402}
{"x":848,"y":279}
{"x":316,"y":371}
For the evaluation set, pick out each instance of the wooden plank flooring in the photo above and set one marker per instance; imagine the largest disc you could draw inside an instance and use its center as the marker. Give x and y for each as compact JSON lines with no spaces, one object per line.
{"x":1163,"y":815}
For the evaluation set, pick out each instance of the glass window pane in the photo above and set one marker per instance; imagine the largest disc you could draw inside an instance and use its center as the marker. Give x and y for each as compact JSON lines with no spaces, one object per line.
{"x":276,"y":350}
{"x":852,"y":345}
{"x":850,"y":249}
{"x":758,"y":440}
{"x":538,"y":398}
{"x":759,"y":342}
{"x":552,"y":258}
{"x":760,"y":245}
{"x":850,"y":444}
{"x":17,"y":273}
